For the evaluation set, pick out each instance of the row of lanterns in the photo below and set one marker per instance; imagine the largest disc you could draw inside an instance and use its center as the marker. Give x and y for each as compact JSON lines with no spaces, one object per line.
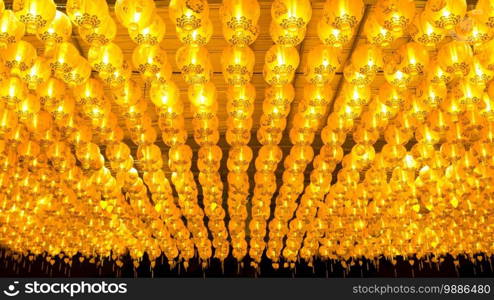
{"x":424,"y":188}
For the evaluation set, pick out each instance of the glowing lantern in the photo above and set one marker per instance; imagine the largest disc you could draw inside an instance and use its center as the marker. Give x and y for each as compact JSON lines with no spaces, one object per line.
{"x":134,"y":14}
{"x":238,"y":65}
{"x":322,"y":63}
{"x":19,"y":57}
{"x":332,"y":36}
{"x":11,"y":29}
{"x":188,"y":15}
{"x":39,"y":72}
{"x":291,"y":14}
{"x":12,"y":92}
{"x":165,"y":95}
{"x":395,"y":15}
{"x":148,"y":60}
{"x":152,"y":34}
{"x":194,"y":64}
{"x":35,"y":14}
{"x":445,"y":13}
{"x":415,"y":58}
{"x":87,"y":13}
{"x":455,"y":57}
{"x":101,"y":35}
{"x":342,"y":14}
{"x":106,"y":59}
{"x":57,"y":31}
{"x":423,"y":32}
{"x":280,"y":64}
{"x":376,"y":34}
{"x":472,"y":30}
{"x":196,"y":37}
{"x":239,"y":18}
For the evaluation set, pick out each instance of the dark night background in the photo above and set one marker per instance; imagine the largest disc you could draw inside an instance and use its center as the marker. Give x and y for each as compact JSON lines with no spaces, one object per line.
{"x":39,"y":267}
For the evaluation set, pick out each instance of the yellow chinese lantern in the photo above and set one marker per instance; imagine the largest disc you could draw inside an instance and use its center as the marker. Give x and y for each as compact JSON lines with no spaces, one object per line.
{"x":12,"y":92}
{"x":11,"y":29}
{"x":343,"y":15}
{"x":455,"y":57}
{"x":238,"y":65}
{"x":188,"y":15}
{"x":286,"y":37}
{"x":194,"y":64}
{"x":148,"y":60}
{"x":134,"y":14}
{"x":39,"y":72}
{"x":87,"y":13}
{"x":106,"y":59}
{"x":196,"y":37}
{"x":332,"y":36}
{"x":424,"y":32}
{"x":291,"y":14}
{"x":415,"y":58}
{"x":239,"y":18}
{"x":395,"y":15}
{"x":19,"y":57}
{"x":445,"y":13}
{"x":151,"y":34}
{"x":376,"y":34}
{"x":472,"y":30}
{"x":280,"y":64}
{"x":101,"y":35}
{"x":165,"y":95}
{"x":322,"y":63}
{"x":35,"y":14}
{"x":57,"y":31}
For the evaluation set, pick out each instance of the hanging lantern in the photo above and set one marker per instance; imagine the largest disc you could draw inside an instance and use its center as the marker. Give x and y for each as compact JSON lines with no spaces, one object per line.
{"x":376,"y":34}
{"x":101,"y":35}
{"x":367,"y":59}
{"x":415,"y":58}
{"x":291,"y":14}
{"x":35,"y":14}
{"x":12,"y":91}
{"x":280,"y":64}
{"x":196,"y":37}
{"x":135,"y":14}
{"x":148,"y":60}
{"x":87,"y":13}
{"x":188,"y":15}
{"x":57,"y":31}
{"x":238,"y":65}
{"x":422,"y":31}
{"x":286,"y":37}
{"x":19,"y":57}
{"x":194,"y":64}
{"x":79,"y":74}
{"x":332,"y":36}
{"x":65,"y":58}
{"x":455,"y":57}
{"x":152,"y":34}
{"x":126,"y":95}
{"x":343,"y":15}
{"x":90,"y":92}
{"x":165,"y":95}
{"x":322,"y":63}
{"x":106,"y":59}
{"x":445,"y":13}
{"x":472,"y":30}
{"x":11,"y":29}
{"x":239,"y":18}
{"x":395,"y":15}
{"x":485,"y":9}
{"x":39,"y":72}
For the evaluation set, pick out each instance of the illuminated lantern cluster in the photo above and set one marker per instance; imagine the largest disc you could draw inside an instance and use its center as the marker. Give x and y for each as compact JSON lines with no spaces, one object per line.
{"x":239,"y":19}
{"x":405,"y":168}
{"x":194,"y":29}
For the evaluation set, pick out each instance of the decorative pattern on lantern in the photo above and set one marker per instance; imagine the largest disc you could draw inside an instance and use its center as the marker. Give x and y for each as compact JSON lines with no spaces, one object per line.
{"x":19,"y":57}
{"x":106,"y":59}
{"x":101,"y":35}
{"x":455,"y":58}
{"x":472,"y":30}
{"x":152,"y":34}
{"x":188,"y":14}
{"x":376,"y":34}
{"x":239,"y":18}
{"x":445,"y":13}
{"x":343,"y":15}
{"x":194,"y":64}
{"x":422,"y":31}
{"x":11,"y":29}
{"x":57,"y":31}
{"x":395,"y":15}
{"x":149,"y":60}
{"x":134,"y":14}
{"x":87,"y":13}
{"x":238,"y":65}
{"x":281,"y":63}
{"x":322,"y":63}
{"x":196,"y":37}
{"x":291,"y":14}
{"x":35,"y":14}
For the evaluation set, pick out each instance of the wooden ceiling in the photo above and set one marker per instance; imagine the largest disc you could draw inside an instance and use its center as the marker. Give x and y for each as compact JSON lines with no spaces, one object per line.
{"x":260,"y":46}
